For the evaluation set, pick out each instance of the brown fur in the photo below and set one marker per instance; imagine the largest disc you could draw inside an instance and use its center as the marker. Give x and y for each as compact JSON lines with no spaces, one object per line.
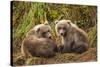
{"x":42,"y":47}
{"x":74,"y":39}
{"x":34,"y":45}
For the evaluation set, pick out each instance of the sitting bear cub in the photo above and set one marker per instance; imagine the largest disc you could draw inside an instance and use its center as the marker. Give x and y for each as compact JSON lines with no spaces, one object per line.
{"x":73,"y":38}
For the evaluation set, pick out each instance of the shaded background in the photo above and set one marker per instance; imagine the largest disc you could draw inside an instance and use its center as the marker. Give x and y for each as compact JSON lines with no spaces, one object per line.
{"x":25,"y":15}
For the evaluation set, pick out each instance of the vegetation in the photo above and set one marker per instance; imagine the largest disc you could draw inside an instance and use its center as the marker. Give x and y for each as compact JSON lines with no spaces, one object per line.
{"x":26,"y":15}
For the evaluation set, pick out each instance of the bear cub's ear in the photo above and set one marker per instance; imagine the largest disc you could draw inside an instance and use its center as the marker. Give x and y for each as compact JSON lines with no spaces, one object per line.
{"x":56,"y":21}
{"x":69,"y":22}
{"x":37,"y":30}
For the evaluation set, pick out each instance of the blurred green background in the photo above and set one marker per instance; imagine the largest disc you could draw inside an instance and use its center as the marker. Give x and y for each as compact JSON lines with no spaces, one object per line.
{"x":25,"y":15}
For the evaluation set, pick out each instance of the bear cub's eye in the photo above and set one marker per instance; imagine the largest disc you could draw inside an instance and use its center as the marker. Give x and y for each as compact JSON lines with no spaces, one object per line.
{"x":64,"y":28}
{"x":44,"y":32}
{"x":48,"y":31}
{"x":59,"y":28}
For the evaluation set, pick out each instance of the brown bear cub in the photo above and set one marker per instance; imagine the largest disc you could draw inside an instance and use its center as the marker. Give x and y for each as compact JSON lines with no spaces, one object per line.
{"x":73,"y":38}
{"x":38,"y":42}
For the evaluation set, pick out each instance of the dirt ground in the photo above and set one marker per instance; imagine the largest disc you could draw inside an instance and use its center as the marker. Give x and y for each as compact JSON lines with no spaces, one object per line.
{"x":88,"y":56}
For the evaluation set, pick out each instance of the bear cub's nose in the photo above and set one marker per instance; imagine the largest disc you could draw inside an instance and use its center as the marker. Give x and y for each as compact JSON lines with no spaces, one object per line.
{"x":62,"y":34}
